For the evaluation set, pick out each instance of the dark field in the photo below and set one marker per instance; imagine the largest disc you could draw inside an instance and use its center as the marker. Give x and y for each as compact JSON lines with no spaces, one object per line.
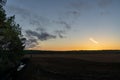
{"x":95,"y":65}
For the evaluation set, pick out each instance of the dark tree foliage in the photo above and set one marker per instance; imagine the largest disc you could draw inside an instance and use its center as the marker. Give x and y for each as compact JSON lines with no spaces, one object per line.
{"x":11,"y":37}
{"x":2,"y":2}
{"x":12,"y":41}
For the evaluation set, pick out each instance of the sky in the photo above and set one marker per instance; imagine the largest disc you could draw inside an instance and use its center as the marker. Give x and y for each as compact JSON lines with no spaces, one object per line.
{"x":68,"y":24}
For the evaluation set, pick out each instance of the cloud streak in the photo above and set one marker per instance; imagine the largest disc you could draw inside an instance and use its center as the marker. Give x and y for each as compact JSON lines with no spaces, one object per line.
{"x":41,"y":36}
{"x":93,"y":40}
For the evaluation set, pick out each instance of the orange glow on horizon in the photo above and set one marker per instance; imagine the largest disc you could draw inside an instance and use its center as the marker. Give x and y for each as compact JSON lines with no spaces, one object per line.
{"x":88,"y":47}
{"x":88,"y":44}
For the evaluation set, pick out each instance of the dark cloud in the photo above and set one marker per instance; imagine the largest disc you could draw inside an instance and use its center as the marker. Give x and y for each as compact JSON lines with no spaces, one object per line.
{"x":31,"y":42}
{"x":40,"y":36}
{"x":45,"y":36}
{"x":104,"y":3}
{"x":60,"y":33}
{"x":33,"y":37}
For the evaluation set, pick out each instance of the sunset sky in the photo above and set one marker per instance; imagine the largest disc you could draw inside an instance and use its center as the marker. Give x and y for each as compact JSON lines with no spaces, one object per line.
{"x":68,"y":24}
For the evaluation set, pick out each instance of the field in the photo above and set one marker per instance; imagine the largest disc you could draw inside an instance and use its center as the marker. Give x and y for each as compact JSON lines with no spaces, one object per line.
{"x":76,"y":65}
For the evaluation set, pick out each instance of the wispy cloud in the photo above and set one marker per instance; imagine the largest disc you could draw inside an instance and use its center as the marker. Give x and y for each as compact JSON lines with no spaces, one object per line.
{"x":33,"y":37}
{"x":78,"y":7}
{"x":60,"y":33}
{"x":80,"y":4}
{"x":31,"y":42}
{"x":41,"y":29}
{"x":41,"y":36}
{"x":38,"y":22}
{"x":65,"y":24}
{"x":25,"y":14}
{"x":104,"y":3}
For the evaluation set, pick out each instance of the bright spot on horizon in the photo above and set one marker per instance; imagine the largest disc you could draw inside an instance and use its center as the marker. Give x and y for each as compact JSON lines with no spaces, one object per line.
{"x":93,"y":40}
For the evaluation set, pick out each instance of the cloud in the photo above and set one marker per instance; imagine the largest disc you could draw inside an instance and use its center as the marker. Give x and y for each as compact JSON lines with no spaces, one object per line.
{"x":39,"y":22}
{"x":31,"y":42}
{"x":27,"y":15}
{"x":41,"y":29}
{"x":78,"y":6}
{"x":34,"y":19}
{"x":104,"y":3}
{"x":60,"y":33}
{"x":66,"y":27}
{"x":40,"y":36}
{"x":73,"y":13}
{"x":19,"y":10}
{"x":93,"y":40}
{"x":81,"y":5}
{"x":33,"y":37}
{"x":64,"y":23}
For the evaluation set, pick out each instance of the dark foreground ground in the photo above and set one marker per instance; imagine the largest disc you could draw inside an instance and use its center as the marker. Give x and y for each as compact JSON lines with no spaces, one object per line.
{"x":71,"y":67}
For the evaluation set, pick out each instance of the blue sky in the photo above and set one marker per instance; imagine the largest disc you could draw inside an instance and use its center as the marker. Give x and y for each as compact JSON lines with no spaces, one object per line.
{"x":68,"y":24}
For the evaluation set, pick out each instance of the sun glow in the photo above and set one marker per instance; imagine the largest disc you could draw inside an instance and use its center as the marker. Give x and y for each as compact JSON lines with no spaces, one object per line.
{"x":89,"y":43}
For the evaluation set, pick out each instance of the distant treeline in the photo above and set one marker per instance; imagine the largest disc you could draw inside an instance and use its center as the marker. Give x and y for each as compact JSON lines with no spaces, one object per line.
{"x":72,"y":52}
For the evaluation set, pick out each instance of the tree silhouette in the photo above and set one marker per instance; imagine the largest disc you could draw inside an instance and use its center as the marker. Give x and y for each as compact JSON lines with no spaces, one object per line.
{"x":2,"y":2}
{"x":12,"y":41}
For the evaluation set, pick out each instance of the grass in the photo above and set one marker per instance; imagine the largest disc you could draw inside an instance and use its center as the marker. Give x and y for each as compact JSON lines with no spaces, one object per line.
{"x":99,"y":65}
